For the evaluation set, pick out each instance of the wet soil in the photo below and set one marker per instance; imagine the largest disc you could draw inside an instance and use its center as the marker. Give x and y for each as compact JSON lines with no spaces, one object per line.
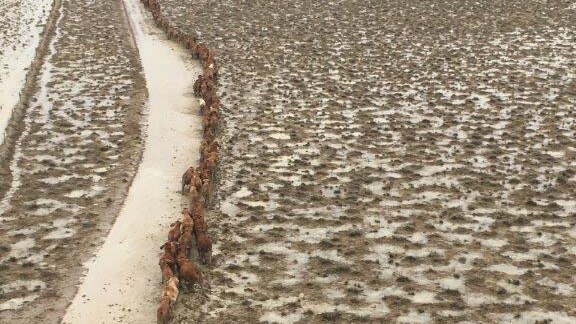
{"x":73,"y":158}
{"x":407,"y":161}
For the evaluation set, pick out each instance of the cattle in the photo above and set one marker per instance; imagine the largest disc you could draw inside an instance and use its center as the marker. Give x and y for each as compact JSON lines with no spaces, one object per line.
{"x":193,"y":194}
{"x":187,"y":222}
{"x":174,"y":232}
{"x":190,"y":274}
{"x":164,"y":312}
{"x":204,"y":246}
{"x":186,"y":240}
{"x":187,"y":178}
{"x":167,"y":273}
{"x":170,"y":289}
{"x":206,"y":190}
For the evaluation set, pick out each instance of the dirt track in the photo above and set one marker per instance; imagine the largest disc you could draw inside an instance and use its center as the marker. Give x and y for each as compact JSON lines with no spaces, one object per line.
{"x":73,"y":159}
{"x":400,"y":160}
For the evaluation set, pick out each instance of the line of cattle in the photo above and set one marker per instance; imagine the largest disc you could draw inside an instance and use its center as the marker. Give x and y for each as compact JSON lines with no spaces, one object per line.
{"x":175,"y":263}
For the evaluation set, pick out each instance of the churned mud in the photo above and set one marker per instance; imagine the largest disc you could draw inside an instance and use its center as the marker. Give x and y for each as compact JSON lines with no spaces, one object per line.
{"x":407,"y":161}
{"x":74,"y":154}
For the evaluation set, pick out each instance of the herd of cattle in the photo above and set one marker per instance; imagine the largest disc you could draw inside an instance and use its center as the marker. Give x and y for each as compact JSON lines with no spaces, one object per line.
{"x":176,"y":265}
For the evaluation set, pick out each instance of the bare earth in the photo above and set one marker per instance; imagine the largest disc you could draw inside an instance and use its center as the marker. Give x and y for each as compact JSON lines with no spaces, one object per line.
{"x":75,"y":154}
{"x":408,"y":161}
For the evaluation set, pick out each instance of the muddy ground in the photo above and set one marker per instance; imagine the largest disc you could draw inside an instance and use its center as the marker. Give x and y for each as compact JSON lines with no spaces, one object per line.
{"x":21,"y":25}
{"x":75,"y":153}
{"x":408,"y":161}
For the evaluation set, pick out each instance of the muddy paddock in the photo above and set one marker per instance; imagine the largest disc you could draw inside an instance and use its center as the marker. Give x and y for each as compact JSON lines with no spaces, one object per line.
{"x":392,"y":160}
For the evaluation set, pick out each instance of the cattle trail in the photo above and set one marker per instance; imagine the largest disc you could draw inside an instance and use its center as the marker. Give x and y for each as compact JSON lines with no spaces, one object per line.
{"x":132,"y":278}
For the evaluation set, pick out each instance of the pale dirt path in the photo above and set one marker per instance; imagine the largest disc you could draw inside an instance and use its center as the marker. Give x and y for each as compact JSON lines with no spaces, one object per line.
{"x":123,"y":280}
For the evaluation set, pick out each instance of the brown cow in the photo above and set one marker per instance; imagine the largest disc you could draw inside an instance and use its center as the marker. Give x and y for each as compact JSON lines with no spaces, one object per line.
{"x":204,"y":246}
{"x":186,"y":240}
{"x":193,"y":193}
{"x":187,"y":177}
{"x":203,"y":52}
{"x":213,"y":103}
{"x":206,"y":120}
{"x":205,"y":173}
{"x":198,"y":216}
{"x":164,"y":312}
{"x":194,"y":50}
{"x":210,"y":68}
{"x":209,"y":150}
{"x":214,"y":121}
{"x":213,"y":155}
{"x":210,"y":164}
{"x":190,"y":274}
{"x":209,"y":136}
{"x":174,"y":232}
{"x":198,"y":84}
{"x":167,"y":272}
{"x":167,"y":260}
{"x":209,"y":97}
{"x":190,"y":42}
{"x":197,"y":180}
{"x":182,"y":252}
{"x":215,"y":108}
{"x":170,"y":248}
{"x":206,"y":86}
{"x":206,"y":190}
{"x":170,"y":289}
{"x":187,"y":222}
